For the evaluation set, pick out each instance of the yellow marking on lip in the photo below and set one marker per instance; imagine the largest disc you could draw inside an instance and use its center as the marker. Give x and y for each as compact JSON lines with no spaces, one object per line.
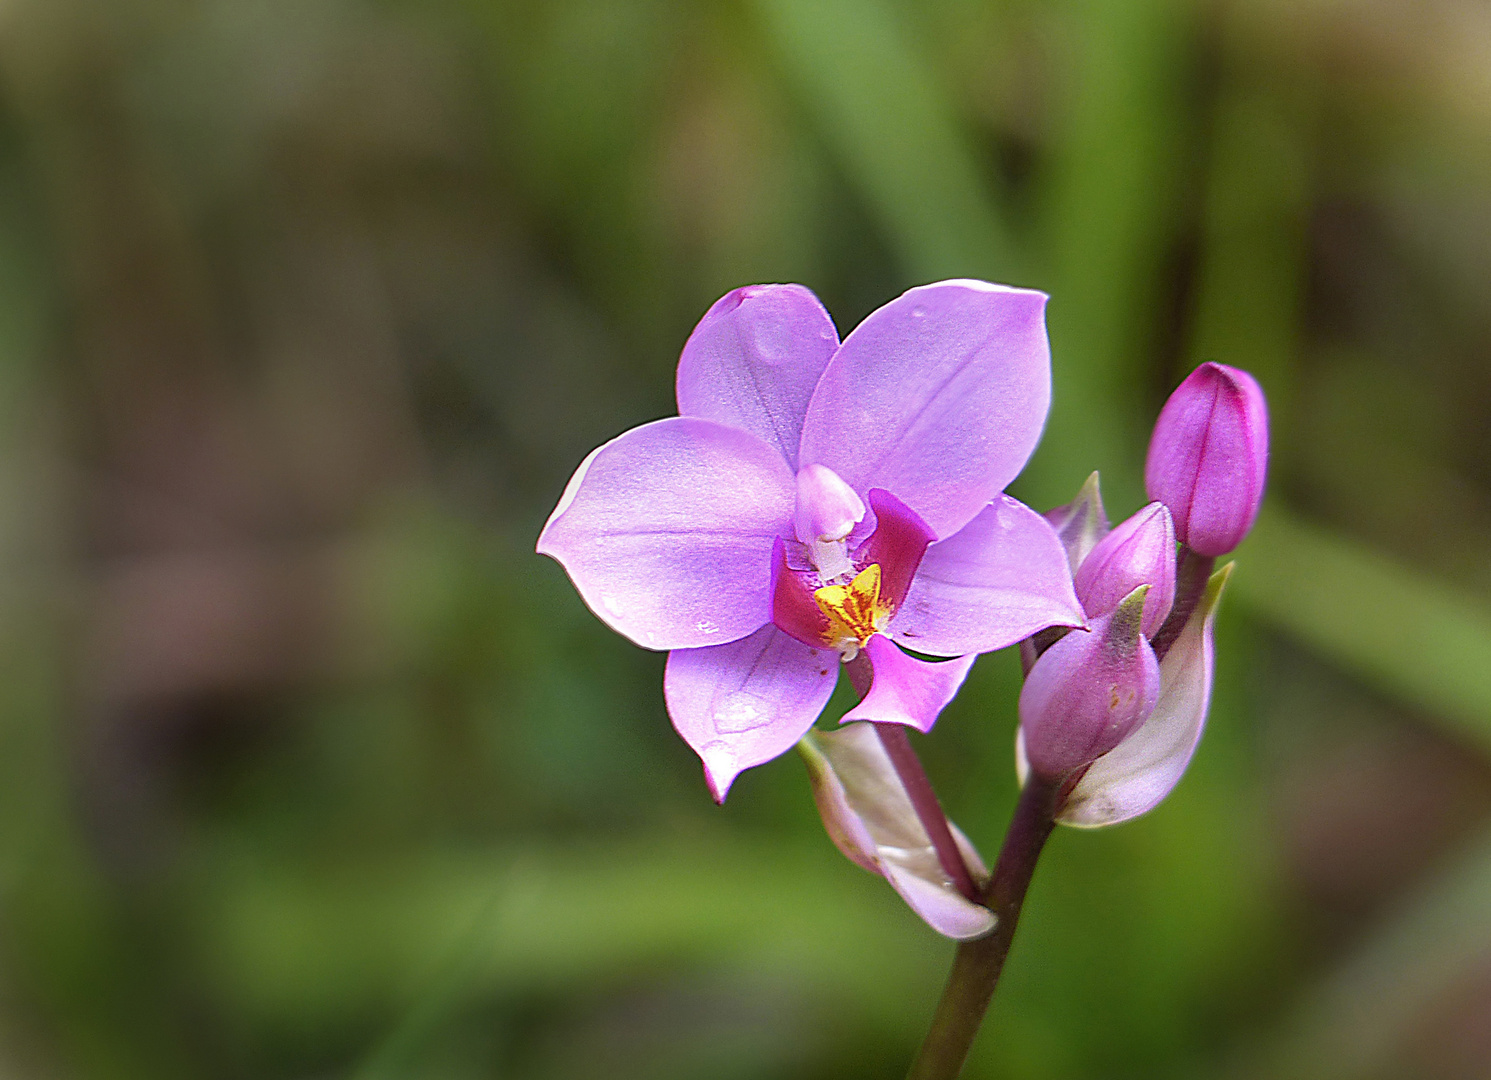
{"x":854,"y":611}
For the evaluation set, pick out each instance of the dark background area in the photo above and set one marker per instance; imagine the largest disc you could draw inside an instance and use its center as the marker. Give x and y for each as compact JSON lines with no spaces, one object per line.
{"x":310,"y":768}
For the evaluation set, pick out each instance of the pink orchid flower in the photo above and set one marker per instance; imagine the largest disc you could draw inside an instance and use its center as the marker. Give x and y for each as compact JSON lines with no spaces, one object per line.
{"x":818,"y":502}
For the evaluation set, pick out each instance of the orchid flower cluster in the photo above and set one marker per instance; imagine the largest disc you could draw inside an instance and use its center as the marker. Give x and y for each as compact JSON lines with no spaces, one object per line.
{"x":822,"y":506}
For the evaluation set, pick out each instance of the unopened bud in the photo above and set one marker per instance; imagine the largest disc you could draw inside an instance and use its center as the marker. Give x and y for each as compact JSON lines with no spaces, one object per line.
{"x":1139,"y":551}
{"x":1088,"y":691}
{"x":1081,"y":523}
{"x":1208,"y":457}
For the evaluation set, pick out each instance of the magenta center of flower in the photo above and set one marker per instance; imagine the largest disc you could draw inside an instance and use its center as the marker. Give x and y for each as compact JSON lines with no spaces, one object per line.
{"x":840,"y":581}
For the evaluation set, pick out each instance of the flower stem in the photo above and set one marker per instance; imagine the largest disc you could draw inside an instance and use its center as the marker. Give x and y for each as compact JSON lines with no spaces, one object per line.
{"x":918,"y":787}
{"x":1191,"y":575}
{"x":977,"y":964}
{"x":928,"y":810}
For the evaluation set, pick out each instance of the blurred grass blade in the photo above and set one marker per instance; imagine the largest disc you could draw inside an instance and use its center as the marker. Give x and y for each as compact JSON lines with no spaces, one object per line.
{"x":1407,"y":635}
{"x":288,"y":942}
{"x":1110,"y":211}
{"x":1352,"y":1025}
{"x":1250,"y":284}
{"x":449,"y":986}
{"x":881,"y":108}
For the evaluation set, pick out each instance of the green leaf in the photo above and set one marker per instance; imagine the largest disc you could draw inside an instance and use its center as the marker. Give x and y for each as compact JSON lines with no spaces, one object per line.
{"x":896,"y":133}
{"x":1399,"y":630}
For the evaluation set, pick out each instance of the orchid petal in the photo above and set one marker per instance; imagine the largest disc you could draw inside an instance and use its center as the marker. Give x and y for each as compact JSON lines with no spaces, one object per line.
{"x":905,"y":690}
{"x":1136,"y":775}
{"x":753,"y":361}
{"x":667,"y":532}
{"x":744,"y":703}
{"x":869,"y":817}
{"x":793,"y":608}
{"x":999,"y":579}
{"x":939,"y":397}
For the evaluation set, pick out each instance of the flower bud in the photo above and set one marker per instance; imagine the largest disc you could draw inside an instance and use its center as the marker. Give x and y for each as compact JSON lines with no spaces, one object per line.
{"x":1081,"y":523}
{"x":1208,"y":457}
{"x":1088,"y":691}
{"x":1139,"y":551}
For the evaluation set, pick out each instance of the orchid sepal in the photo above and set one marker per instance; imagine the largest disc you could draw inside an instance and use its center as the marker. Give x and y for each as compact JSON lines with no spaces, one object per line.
{"x":869,"y":817}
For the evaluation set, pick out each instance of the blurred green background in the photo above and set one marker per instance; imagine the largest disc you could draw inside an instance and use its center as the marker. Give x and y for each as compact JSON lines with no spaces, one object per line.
{"x":308,"y":308}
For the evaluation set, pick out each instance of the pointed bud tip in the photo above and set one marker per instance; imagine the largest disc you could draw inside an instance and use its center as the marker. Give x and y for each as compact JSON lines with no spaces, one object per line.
{"x":1082,"y":523}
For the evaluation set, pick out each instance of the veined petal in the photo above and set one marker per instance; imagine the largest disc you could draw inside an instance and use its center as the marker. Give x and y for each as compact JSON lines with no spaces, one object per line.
{"x":1137,"y":774}
{"x":997,"y":580}
{"x":905,"y":690}
{"x":753,"y":361}
{"x":938,"y":397}
{"x":667,"y":532}
{"x":869,"y":817}
{"x":746,"y":702}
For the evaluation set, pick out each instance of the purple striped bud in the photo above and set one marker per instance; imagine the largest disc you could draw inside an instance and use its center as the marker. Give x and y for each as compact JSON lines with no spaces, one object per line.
{"x":1139,"y":551}
{"x":1208,"y":457}
{"x":1089,"y":691}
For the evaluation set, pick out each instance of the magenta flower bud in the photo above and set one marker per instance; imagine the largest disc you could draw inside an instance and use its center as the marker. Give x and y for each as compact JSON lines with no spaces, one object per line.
{"x":1139,"y":551}
{"x":1208,"y":457}
{"x":1089,"y":691}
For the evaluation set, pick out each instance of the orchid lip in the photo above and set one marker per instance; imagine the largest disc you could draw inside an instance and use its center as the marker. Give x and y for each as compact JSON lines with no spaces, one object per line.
{"x":842,"y":610}
{"x":855,"y":612}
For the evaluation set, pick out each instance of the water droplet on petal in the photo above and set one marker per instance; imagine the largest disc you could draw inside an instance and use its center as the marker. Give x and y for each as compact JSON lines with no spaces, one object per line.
{"x":773,"y":344}
{"x":612,"y":605}
{"x":704,"y":626}
{"x":918,"y":312}
{"x":740,"y":711}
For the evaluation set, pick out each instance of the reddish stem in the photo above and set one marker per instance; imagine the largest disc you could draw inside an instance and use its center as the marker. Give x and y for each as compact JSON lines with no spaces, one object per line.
{"x":978,"y":963}
{"x":918,"y":788}
{"x":1191,"y":574}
